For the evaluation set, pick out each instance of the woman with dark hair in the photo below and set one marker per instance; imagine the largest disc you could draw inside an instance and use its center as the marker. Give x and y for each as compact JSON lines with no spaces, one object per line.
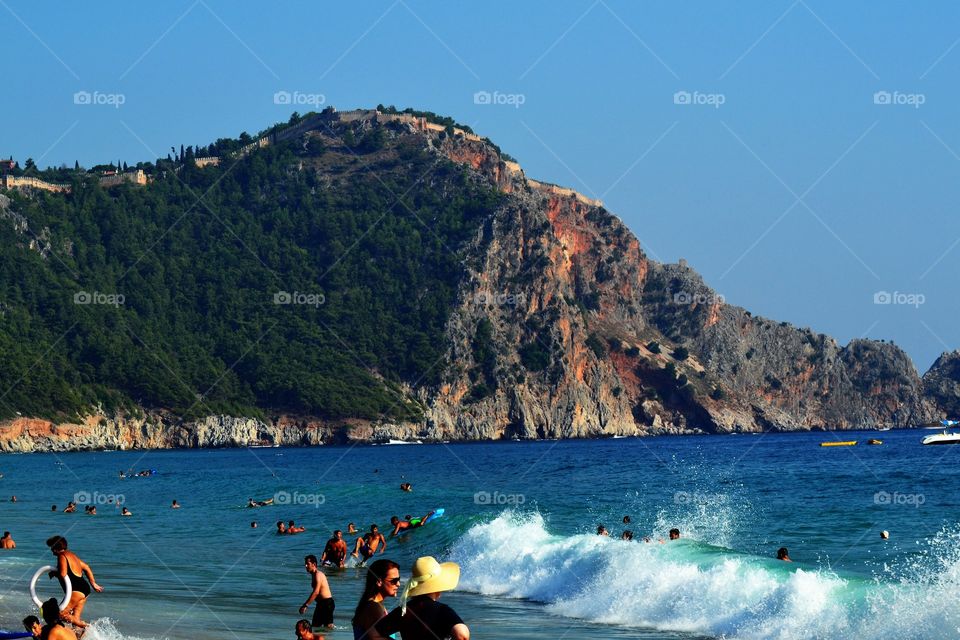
{"x":383,"y":580}
{"x":71,"y":567}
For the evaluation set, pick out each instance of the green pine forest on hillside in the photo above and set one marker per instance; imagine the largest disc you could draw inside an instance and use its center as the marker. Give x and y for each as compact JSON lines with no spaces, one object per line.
{"x":199,"y":331}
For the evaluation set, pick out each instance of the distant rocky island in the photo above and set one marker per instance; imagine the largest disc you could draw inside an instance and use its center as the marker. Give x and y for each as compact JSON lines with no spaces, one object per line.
{"x":379,"y":275}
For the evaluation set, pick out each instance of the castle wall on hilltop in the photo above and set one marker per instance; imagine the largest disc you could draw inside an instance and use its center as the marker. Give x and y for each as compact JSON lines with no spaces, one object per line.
{"x":20,"y":182}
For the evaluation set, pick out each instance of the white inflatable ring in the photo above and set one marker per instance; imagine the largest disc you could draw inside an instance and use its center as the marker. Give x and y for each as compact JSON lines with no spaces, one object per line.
{"x":33,"y":587}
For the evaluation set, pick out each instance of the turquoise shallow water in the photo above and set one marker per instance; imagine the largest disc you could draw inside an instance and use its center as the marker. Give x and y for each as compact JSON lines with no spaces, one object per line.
{"x":519,"y":518}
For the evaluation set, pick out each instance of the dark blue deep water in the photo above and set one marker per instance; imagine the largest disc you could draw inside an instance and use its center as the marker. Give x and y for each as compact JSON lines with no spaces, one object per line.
{"x":520,"y":519}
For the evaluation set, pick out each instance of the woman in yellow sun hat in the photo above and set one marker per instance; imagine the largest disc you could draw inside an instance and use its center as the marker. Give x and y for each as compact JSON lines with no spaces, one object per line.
{"x":420,"y":616}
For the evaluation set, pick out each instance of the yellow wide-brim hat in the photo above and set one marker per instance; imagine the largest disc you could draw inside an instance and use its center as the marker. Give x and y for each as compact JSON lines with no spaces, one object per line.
{"x":430,"y":576}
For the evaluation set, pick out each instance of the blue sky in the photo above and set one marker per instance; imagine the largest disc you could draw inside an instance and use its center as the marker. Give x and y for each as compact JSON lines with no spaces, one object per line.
{"x":787,"y":180}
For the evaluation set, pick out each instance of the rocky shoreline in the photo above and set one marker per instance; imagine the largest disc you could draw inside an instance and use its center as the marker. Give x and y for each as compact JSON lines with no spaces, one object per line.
{"x":162,"y":431}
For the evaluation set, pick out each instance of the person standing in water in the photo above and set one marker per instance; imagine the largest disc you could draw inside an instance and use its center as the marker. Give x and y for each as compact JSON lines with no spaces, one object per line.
{"x":6,"y":542}
{"x":71,"y":567}
{"x":369,"y":543}
{"x":423,"y":617}
{"x":323,"y":614}
{"x":335,"y":553}
{"x":383,"y":581}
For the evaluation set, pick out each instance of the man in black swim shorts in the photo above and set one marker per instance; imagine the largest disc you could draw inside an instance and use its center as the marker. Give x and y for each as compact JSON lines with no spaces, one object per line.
{"x":323,"y":614}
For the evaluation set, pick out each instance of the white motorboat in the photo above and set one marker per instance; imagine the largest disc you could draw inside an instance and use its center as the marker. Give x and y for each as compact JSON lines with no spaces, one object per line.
{"x":942,"y":438}
{"x":946,"y":437}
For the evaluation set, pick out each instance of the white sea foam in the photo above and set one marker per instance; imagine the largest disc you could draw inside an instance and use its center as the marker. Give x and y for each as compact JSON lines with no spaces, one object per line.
{"x":104,"y":629}
{"x":694,"y":587}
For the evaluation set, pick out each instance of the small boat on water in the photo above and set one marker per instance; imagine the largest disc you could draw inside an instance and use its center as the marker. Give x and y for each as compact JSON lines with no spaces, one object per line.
{"x":839,"y":443}
{"x":947,"y":437}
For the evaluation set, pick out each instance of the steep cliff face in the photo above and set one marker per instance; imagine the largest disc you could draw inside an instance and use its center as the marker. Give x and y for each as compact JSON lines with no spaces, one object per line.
{"x":942,"y":384}
{"x":563,"y":328}
{"x":592,"y":338}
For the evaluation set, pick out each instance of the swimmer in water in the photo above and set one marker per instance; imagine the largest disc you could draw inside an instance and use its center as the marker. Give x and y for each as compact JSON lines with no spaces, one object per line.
{"x":54,"y":629}
{"x":281,"y":528}
{"x":293,"y":528}
{"x":175,"y":505}
{"x":71,"y":507}
{"x":410,"y":523}
{"x":602,"y":531}
{"x":259,"y":503}
{"x":125,"y":512}
{"x":782,"y":554}
{"x":6,"y":542}
{"x":351,"y":529}
{"x":32,"y":625}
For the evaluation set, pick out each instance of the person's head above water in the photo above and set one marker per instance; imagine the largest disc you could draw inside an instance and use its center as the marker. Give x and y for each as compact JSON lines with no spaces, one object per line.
{"x":394,"y":520}
{"x":57,"y":544}
{"x":50,"y":610}
{"x":626,"y":519}
{"x":601,"y":530}
{"x":674,"y":534}
{"x":783,"y":554}
{"x":884,"y":534}
{"x":310,"y":562}
{"x":32,"y":625}
{"x":304,"y":630}
{"x":374,"y":528}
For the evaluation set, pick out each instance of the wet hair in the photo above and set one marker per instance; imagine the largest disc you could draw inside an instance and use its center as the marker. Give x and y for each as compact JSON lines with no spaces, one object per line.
{"x":303,"y":625}
{"x":56,"y":543}
{"x":626,"y":519}
{"x":394,"y":520}
{"x":782,"y":553}
{"x":336,"y":531}
{"x":291,"y":523}
{"x":376,"y":573}
{"x":674,"y":532}
{"x":601,"y":529}
{"x":29,"y":621}
{"x":373,"y":527}
{"x":310,"y":558}
{"x":50,"y":610}
{"x":626,"y":535}
{"x":6,"y":534}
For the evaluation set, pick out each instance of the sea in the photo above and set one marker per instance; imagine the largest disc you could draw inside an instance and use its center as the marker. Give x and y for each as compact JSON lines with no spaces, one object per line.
{"x":521,"y":519}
